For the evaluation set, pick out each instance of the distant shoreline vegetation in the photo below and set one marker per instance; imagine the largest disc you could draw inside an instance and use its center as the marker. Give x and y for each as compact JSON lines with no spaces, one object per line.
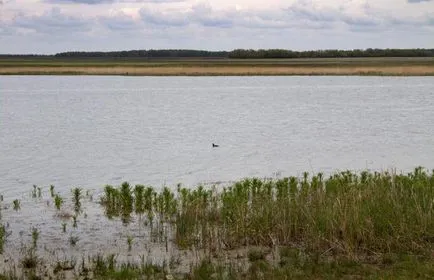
{"x":277,"y":62}
{"x":239,"y":53}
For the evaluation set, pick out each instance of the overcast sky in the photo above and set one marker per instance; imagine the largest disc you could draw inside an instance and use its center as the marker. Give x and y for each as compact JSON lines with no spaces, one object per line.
{"x":50,"y":26}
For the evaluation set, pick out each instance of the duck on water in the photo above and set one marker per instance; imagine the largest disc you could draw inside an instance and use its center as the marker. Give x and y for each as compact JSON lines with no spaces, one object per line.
{"x":214,"y":145}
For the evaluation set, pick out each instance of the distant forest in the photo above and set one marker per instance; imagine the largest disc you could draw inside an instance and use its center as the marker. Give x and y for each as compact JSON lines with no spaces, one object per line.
{"x":243,"y":54}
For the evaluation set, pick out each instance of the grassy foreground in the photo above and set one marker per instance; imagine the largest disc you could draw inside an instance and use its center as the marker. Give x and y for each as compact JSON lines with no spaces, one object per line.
{"x":217,"y":67}
{"x":348,"y":225}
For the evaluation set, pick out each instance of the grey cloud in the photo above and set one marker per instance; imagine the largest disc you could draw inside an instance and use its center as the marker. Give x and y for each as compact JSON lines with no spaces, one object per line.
{"x":216,"y":22}
{"x":361,"y":22}
{"x":164,"y":19}
{"x":51,"y":21}
{"x":303,"y":9}
{"x":203,"y":14}
{"x":119,"y":23}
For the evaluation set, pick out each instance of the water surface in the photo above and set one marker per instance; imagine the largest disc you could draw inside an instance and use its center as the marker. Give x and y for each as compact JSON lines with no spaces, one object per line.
{"x":91,"y":130}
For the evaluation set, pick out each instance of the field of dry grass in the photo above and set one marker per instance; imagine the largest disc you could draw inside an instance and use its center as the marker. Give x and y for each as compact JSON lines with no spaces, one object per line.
{"x":219,"y":67}
{"x":221,"y":70}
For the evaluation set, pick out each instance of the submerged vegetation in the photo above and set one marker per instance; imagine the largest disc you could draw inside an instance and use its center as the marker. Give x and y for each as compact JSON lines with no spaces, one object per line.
{"x":362,"y":225}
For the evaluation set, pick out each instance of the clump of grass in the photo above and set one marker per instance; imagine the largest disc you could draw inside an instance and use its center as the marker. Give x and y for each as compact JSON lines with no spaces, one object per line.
{"x":3,"y":236}
{"x":77,"y":194}
{"x":255,"y":254}
{"x":30,"y":261}
{"x":139,"y":191}
{"x":63,"y":266}
{"x":58,"y":201}
{"x":35,"y":237}
{"x":34,"y":191}
{"x":109,"y":268}
{"x":119,"y":202}
{"x":17,"y":204}
{"x":73,"y":240}
{"x":74,"y":221}
{"x":126,"y":201}
{"x":52,"y":191}
{"x":130,"y":242}
{"x":103,"y":266}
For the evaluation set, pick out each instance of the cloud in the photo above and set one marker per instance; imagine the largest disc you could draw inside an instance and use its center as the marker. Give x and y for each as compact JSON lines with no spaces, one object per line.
{"x":53,"y":21}
{"x":97,"y":2}
{"x":203,"y":14}
{"x":354,"y":15}
{"x":193,"y":24}
{"x":89,"y":2}
{"x":165,"y":19}
{"x":300,"y":15}
{"x":417,"y":1}
{"x":119,"y":22}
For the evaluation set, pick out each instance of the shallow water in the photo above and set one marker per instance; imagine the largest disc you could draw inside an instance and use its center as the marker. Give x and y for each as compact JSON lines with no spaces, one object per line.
{"x":89,"y":131}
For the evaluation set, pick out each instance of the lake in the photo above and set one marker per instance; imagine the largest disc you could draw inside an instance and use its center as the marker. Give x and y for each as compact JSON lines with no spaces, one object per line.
{"x":89,"y":131}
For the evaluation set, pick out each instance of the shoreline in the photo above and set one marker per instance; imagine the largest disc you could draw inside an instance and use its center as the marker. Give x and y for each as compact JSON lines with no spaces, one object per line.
{"x":407,"y":70}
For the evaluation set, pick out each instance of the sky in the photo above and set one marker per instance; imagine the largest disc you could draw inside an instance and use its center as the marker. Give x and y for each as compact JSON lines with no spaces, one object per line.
{"x":51,"y":26}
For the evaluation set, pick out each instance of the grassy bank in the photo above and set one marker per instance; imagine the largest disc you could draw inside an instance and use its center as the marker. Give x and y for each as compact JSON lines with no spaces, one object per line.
{"x":353,"y":225}
{"x":217,"y":67}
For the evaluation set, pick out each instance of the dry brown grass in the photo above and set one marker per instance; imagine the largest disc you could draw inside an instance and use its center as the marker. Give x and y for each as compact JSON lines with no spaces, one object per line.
{"x":402,"y":70}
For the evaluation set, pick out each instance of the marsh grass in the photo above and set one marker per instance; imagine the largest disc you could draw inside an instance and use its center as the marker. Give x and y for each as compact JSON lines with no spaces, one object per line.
{"x":58,"y":201}
{"x":52,"y":194}
{"x":76,"y":198}
{"x":108,"y":268}
{"x":347,"y":213}
{"x":222,"y":67}
{"x":34,"y":191}
{"x":406,"y":70}
{"x":3,"y":236}
{"x":357,"y":225}
{"x":130,"y":242}
{"x":73,"y":240}
{"x":16,"y":204}
{"x":30,"y":261}
{"x":35,"y":237}
{"x":74,"y":221}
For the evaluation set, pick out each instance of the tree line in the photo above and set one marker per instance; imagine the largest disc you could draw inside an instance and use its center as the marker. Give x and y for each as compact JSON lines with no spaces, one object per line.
{"x":281,"y":53}
{"x":242,"y":53}
{"x":148,"y":54}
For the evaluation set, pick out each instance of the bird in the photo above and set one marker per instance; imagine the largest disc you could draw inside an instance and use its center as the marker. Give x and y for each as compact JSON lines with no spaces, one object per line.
{"x":214,"y":145}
